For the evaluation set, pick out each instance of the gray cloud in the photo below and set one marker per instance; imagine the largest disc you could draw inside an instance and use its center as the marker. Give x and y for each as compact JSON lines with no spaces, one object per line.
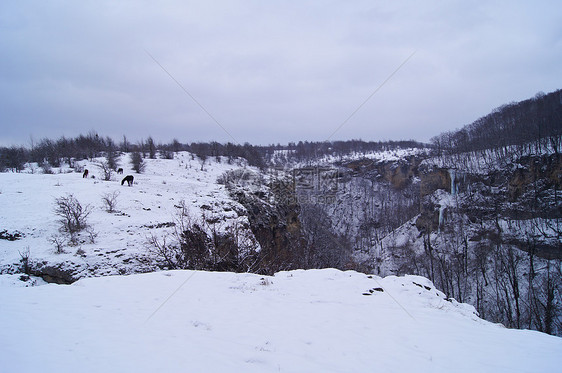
{"x":268,"y":71}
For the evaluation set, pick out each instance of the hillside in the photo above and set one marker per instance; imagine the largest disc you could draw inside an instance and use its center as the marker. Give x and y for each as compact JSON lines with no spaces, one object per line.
{"x":115,"y":242}
{"x":485,"y":229}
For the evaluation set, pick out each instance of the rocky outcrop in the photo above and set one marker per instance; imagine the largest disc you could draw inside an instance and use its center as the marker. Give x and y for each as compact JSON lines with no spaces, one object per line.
{"x":59,"y":273}
{"x":533,"y":172}
{"x":274,"y":220}
{"x":428,"y":219}
{"x":399,"y":173}
{"x":434,"y":179}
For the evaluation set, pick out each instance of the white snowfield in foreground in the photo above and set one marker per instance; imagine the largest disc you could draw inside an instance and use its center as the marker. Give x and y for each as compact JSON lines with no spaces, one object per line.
{"x":298,"y":321}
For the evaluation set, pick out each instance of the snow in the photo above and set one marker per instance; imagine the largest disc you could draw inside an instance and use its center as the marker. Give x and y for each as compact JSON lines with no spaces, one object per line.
{"x":389,"y":155}
{"x":120,"y":239}
{"x":20,"y":280}
{"x":483,"y":162}
{"x":177,"y":321}
{"x":297,"y":321}
{"x":393,"y":155}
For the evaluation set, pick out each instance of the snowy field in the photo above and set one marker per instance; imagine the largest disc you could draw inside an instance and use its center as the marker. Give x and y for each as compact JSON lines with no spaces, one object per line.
{"x":298,"y":321}
{"x":118,"y":242}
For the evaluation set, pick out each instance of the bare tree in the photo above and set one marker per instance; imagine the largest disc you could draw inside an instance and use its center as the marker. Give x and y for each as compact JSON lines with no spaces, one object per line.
{"x":106,"y":169}
{"x":110,"y":200}
{"x":163,"y":250}
{"x":58,"y":242}
{"x":111,"y":155}
{"x":202,"y":160}
{"x":25,"y":260}
{"x":204,"y":244}
{"x":151,"y":148}
{"x":125,"y":145}
{"x":73,"y":215}
{"x":137,"y":162}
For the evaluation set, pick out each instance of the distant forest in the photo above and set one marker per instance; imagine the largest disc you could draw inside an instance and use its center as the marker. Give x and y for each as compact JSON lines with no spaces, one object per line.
{"x":515,"y":129}
{"x":52,"y":153}
{"x":518,"y":128}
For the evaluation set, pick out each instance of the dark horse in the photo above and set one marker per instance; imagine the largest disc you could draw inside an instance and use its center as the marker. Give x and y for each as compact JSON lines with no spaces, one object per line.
{"x":128,"y":179}
{"x":120,"y":171}
{"x":85,"y":174}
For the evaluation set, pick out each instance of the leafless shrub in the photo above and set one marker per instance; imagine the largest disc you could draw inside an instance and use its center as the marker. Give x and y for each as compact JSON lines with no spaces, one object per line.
{"x":25,"y":260}
{"x":73,"y":215}
{"x":240,"y":176}
{"x":47,"y":170}
{"x":205,"y":244}
{"x":163,"y":250}
{"x":59,"y":243}
{"x":106,"y":169}
{"x":186,"y":247}
{"x":92,"y":234}
{"x":110,"y":200}
{"x":166,"y":154}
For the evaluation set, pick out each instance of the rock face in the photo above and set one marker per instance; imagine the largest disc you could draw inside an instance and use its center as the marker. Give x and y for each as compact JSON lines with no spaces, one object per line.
{"x":399,"y":173}
{"x":434,"y":179}
{"x":480,"y":225}
{"x":428,"y":219}
{"x":545,"y":170}
{"x":523,"y":190}
{"x":274,"y":220}
{"x":469,"y":224}
{"x":61,"y":273}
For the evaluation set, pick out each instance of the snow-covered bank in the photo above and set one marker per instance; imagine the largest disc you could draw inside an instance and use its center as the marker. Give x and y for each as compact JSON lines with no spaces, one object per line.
{"x":298,"y":321}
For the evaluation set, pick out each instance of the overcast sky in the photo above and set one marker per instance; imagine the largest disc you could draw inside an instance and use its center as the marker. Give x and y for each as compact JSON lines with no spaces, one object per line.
{"x":268,"y":71}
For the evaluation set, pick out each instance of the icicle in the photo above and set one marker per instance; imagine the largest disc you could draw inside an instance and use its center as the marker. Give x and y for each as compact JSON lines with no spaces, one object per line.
{"x":453,"y":176}
{"x":441,"y":217}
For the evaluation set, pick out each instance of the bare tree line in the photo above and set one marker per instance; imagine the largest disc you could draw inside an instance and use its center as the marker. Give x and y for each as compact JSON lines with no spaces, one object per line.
{"x":532,"y":126}
{"x":52,"y":153}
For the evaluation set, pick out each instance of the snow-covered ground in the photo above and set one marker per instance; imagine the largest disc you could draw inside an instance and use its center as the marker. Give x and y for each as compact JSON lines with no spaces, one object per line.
{"x":376,"y":156}
{"x":298,"y":321}
{"x":117,"y":243}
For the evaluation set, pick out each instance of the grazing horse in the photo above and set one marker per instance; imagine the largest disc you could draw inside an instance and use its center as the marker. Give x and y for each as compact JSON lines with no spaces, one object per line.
{"x":128,"y":179}
{"x":85,"y":174}
{"x":120,"y":171}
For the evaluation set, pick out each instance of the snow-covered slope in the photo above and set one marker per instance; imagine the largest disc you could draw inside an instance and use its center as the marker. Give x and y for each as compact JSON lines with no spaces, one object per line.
{"x":298,"y":321}
{"x":117,"y":242}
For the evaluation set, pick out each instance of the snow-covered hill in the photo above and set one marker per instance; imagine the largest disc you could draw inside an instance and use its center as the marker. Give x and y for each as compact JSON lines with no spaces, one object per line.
{"x":297,"y":321}
{"x":116,"y":242}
